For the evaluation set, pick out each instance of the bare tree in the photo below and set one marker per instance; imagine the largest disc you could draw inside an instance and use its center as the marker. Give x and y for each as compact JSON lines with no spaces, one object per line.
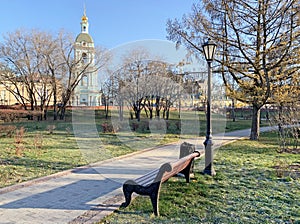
{"x":45,"y":66}
{"x":256,"y":44}
{"x":74,"y":69}
{"x":286,"y":100}
{"x":111,"y":90}
{"x":53,"y":67}
{"x":21,"y":54}
{"x":145,"y":84}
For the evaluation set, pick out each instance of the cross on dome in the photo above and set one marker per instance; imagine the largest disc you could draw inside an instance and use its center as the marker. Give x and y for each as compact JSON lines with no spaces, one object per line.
{"x":84,"y":18}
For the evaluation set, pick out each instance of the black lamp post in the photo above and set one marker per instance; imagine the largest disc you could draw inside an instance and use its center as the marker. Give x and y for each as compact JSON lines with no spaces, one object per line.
{"x":209,"y":50}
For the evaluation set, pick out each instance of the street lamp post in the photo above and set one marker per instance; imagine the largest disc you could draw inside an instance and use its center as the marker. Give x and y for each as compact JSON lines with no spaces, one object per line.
{"x":209,"y":48}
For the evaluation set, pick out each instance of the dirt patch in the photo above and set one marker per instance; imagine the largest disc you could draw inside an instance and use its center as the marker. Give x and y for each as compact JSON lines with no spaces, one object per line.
{"x":292,"y":170}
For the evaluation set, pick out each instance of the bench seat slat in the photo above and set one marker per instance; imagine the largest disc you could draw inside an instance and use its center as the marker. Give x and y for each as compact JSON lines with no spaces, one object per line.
{"x":147,"y":178}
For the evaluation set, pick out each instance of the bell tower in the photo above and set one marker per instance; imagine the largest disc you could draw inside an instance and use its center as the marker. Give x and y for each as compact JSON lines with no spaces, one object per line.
{"x":84,"y":22}
{"x":87,"y":92}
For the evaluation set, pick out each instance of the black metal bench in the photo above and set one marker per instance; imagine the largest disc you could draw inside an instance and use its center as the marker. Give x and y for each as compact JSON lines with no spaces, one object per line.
{"x":149,"y":184}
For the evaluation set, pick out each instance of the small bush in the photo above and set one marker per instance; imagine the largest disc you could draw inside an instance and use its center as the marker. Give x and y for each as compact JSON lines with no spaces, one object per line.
{"x":11,"y":115}
{"x":50,"y":128}
{"x":7,"y":130}
{"x":68,"y":130}
{"x":19,"y":141}
{"x":107,"y":128}
{"x":38,"y":141}
{"x":134,"y":126}
{"x":144,"y":125}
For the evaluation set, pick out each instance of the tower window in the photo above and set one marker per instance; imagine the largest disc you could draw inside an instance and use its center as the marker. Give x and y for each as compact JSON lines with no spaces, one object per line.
{"x":84,"y":28}
{"x":84,"y":81}
{"x":84,"y":58}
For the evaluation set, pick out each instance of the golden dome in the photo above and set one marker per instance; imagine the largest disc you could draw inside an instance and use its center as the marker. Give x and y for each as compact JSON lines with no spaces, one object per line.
{"x":84,"y":18}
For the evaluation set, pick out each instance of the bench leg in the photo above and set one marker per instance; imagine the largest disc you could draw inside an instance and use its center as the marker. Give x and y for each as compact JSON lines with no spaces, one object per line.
{"x":128,"y":189}
{"x":154,"y":196}
{"x":186,"y":171}
{"x":152,"y":191}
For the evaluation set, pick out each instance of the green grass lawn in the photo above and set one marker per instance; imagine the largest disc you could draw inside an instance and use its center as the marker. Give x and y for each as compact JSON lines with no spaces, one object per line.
{"x":253,"y":185}
{"x":50,"y":146}
{"x":39,"y":154}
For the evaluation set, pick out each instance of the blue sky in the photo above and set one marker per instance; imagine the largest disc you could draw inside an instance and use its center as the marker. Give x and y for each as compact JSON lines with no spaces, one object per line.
{"x":112,"y":22}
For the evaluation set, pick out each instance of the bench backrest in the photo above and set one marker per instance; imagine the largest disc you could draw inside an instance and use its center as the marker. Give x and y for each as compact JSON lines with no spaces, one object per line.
{"x":167,"y":170}
{"x":179,"y":165}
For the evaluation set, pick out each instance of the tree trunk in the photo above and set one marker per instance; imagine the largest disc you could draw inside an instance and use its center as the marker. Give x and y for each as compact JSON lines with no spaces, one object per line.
{"x":164,"y":113}
{"x":157,"y":112}
{"x":151,"y":113}
{"x":168,"y":113}
{"x":254,"y":135}
{"x":157,"y":104}
{"x":106,"y":110}
{"x":45,"y":114}
{"x":54,"y":105}
{"x":121,"y":111}
{"x":233,"y":111}
{"x":61,"y":116}
{"x":62,"y":112}
{"x":54,"y":113}
{"x":138,"y":114}
{"x":146,"y":111}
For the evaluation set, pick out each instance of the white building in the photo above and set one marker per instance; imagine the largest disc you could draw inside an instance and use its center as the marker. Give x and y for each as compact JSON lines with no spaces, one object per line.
{"x":87,"y":92}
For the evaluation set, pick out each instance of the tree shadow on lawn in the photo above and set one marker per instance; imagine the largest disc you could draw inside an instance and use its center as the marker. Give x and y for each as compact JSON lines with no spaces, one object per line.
{"x":31,"y":163}
{"x":248,"y":147}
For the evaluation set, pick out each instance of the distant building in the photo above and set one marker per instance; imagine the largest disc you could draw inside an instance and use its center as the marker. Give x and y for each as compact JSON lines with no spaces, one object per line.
{"x":13,"y":94}
{"x":6,"y":98}
{"x":87,"y":93}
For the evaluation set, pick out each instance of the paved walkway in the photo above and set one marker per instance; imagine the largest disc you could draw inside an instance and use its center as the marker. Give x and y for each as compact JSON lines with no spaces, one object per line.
{"x":87,"y":194}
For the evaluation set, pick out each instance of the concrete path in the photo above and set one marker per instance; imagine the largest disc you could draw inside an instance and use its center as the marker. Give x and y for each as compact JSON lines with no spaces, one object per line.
{"x":87,"y":194}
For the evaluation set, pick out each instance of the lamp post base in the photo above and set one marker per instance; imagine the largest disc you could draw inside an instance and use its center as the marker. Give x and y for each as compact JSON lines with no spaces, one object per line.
{"x":209,"y":170}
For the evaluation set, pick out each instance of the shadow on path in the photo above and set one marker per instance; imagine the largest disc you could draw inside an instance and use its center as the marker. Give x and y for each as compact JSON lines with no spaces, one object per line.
{"x":74,"y":196}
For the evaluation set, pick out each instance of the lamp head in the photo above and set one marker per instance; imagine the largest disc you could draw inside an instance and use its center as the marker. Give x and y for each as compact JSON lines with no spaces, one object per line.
{"x":209,"y":49}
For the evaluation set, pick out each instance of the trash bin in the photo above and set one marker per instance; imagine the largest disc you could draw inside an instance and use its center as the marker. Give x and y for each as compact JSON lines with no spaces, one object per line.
{"x":186,"y":149}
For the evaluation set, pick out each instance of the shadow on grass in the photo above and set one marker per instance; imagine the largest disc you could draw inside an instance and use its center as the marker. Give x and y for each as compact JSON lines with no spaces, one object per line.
{"x":38,"y":163}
